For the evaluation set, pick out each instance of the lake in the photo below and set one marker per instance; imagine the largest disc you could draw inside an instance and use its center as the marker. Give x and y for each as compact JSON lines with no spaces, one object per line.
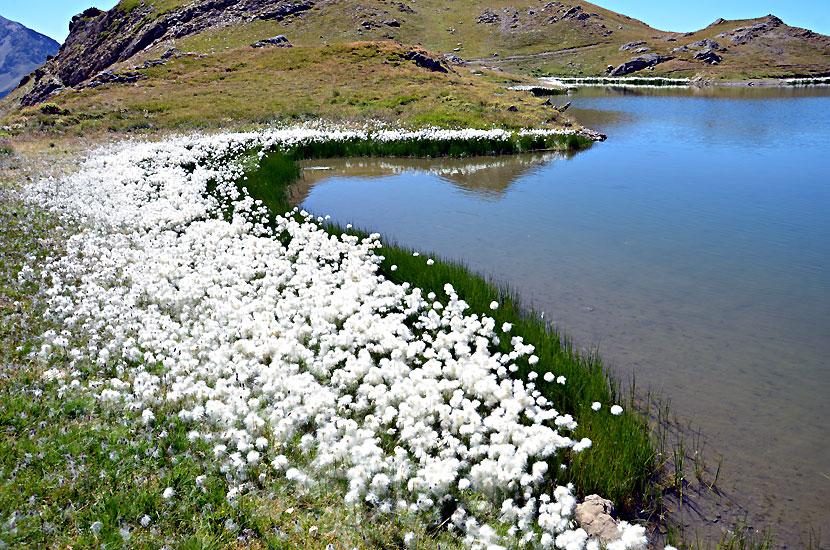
{"x":692,"y":248}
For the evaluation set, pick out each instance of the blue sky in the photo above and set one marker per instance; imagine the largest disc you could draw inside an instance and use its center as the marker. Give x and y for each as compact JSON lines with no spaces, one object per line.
{"x":51,"y":17}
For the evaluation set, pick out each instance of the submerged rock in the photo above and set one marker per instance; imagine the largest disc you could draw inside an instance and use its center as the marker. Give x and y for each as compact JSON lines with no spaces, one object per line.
{"x":593,"y":135}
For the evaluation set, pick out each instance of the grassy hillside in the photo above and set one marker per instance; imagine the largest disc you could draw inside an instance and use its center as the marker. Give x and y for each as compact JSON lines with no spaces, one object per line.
{"x":573,"y":38}
{"x":349,"y":61}
{"x":243,"y":86}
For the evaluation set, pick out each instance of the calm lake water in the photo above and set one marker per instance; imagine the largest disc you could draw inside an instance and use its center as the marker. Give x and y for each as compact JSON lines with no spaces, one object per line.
{"x":692,"y":248}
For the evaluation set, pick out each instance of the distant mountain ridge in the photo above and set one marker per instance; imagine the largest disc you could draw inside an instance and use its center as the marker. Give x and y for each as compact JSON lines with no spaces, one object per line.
{"x":21,"y":51}
{"x":531,"y":37}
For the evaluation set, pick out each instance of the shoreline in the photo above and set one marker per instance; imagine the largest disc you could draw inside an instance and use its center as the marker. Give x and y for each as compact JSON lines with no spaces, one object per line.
{"x":172,"y":159}
{"x":424,"y":269}
{"x":565,"y":83}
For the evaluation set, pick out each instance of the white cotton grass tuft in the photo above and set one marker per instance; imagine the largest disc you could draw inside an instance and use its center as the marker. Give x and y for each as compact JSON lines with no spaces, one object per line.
{"x":249,"y":341}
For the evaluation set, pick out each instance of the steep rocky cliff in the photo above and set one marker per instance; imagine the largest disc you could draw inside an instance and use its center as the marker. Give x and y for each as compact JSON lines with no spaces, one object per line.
{"x":98,"y":39}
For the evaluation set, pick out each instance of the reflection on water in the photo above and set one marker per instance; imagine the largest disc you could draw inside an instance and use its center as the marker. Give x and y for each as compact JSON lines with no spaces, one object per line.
{"x":693,"y":247}
{"x":485,"y":178}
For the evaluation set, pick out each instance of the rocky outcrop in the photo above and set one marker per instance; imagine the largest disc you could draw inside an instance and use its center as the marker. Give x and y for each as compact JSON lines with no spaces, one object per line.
{"x":279,"y":11}
{"x":280,"y":41}
{"x":21,"y":51}
{"x":597,"y":516}
{"x":112,"y":77}
{"x":575,"y":13}
{"x":631,"y":45}
{"x":707,"y":43}
{"x":89,"y":13}
{"x":709,"y":56}
{"x":423,"y":59}
{"x":455,"y":60}
{"x":742,"y":35}
{"x":488,"y":17}
{"x":703,"y":50}
{"x":639,"y":63}
{"x":98,"y":39}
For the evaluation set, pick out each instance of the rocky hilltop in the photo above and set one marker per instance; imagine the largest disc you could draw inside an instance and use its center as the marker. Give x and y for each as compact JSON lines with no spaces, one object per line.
{"x":21,"y":50}
{"x":98,"y":39}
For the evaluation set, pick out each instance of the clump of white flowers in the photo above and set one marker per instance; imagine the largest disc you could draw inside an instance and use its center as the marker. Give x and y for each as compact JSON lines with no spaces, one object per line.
{"x":262,"y":336}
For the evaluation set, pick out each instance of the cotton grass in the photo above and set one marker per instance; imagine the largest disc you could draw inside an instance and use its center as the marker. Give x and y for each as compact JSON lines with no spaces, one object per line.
{"x":286,"y":351}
